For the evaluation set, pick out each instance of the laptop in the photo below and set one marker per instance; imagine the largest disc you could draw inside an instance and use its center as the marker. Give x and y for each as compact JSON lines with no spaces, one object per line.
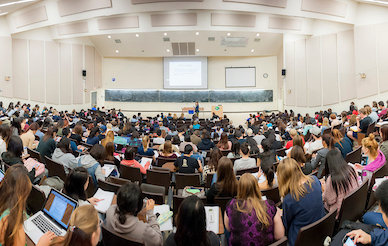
{"x":1,"y":175}
{"x":55,"y":216}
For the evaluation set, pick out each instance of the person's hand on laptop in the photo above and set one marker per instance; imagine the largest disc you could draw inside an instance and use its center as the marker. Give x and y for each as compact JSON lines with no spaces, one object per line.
{"x":46,"y":239}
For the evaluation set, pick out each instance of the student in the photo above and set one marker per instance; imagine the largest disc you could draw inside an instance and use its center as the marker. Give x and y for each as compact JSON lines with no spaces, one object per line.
{"x":47,"y":144}
{"x":235,"y":151}
{"x":77,"y":132}
{"x":93,"y":136}
{"x":144,"y":149}
{"x":129,"y":160}
{"x":319,"y":159}
{"x":159,"y":139}
{"x":168,"y":151}
{"x":14,"y":191}
{"x":342,"y":180}
{"x":378,"y":237}
{"x":84,"y":228}
{"x":64,"y":155}
{"x":363,"y":121}
{"x":195,"y":138}
{"x":266,"y":177}
{"x":302,"y":203}
{"x":384,"y":137}
{"x":297,"y":153}
{"x":317,"y":144}
{"x":383,"y":109}
{"x":293,"y":133}
{"x":191,"y":226}
{"x":206,"y":143}
{"x":268,"y":154}
{"x":245,"y":161}
{"x":122,"y":218}
{"x":187,"y":164}
{"x":76,"y":184}
{"x":5,"y":136}
{"x":187,"y":142}
{"x":249,"y":219}
{"x":93,"y":161}
{"x":28,"y":138}
{"x":109,"y":153}
{"x":212,"y":165}
{"x":110,"y":136}
{"x":344,"y":144}
{"x":73,"y":145}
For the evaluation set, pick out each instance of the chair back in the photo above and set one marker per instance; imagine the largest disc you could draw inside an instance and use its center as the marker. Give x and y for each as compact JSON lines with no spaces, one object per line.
{"x":272,"y":194}
{"x":281,"y":152}
{"x":354,"y":156}
{"x":281,"y":242}
{"x":371,"y":128}
{"x":34,"y":154}
{"x":353,"y":205}
{"x":225,"y":152}
{"x":55,"y":169}
{"x":107,"y":186}
{"x":91,"y":189}
{"x":161,"y":178}
{"x":316,"y":233}
{"x":222,"y":202}
{"x":379,"y":173}
{"x":157,"y":197}
{"x":183,"y":179}
{"x":248,"y":170}
{"x":88,"y":146}
{"x":131,"y":173}
{"x":154,"y":189}
{"x":118,"y":181}
{"x":163,"y":160}
{"x":35,"y":200}
{"x":209,"y":179}
{"x":112,"y":238}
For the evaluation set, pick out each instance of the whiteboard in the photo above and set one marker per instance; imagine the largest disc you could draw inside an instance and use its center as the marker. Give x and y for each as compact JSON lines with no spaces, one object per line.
{"x":240,"y":77}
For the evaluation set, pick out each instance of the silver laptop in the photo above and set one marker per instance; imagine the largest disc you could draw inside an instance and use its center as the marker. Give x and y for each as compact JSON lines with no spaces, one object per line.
{"x":54,"y":217}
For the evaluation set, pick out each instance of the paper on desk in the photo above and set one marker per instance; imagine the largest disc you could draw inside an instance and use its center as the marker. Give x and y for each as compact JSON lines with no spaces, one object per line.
{"x":378,"y":182}
{"x":382,"y":123}
{"x":214,"y":225}
{"x":144,"y":161}
{"x":354,"y":128}
{"x":108,"y":169}
{"x":166,"y":226}
{"x":106,"y":198}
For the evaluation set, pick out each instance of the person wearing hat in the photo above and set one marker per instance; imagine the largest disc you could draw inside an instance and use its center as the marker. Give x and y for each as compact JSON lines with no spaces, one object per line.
{"x":317,"y":144}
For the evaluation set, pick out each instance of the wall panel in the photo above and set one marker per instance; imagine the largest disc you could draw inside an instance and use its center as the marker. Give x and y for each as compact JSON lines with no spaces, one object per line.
{"x":329,"y":7}
{"x":6,"y":67}
{"x":70,"y":7}
{"x":20,"y":68}
{"x":301,"y":73}
{"x":65,"y":70}
{"x":89,"y":66}
{"x":118,"y":22}
{"x":271,"y":3}
{"x":290,"y":77}
{"x":31,"y":16}
{"x":329,"y":69}
{"x":97,"y":70}
{"x":78,"y":84}
{"x":365,"y":57}
{"x":52,"y":72}
{"x":220,"y":19}
{"x":37,"y":82}
{"x":186,"y":19}
{"x":285,"y":23}
{"x":314,"y":84}
{"x":382,"y":55}
{"x":347,"y":78}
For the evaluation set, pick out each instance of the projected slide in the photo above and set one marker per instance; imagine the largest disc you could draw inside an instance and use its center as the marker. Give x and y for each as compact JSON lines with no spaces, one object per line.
{"x":185,"y":73}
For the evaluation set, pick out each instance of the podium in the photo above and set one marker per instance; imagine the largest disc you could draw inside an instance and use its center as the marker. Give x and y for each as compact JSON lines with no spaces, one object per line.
{"x":191,"y":110}
{"x":218,"y":110}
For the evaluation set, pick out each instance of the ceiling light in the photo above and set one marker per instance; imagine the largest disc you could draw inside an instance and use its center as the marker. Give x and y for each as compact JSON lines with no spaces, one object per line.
{"x":197,"y":50}
{"x":16,"y":2}
{"x":117,"y":51}
{"x":168,"y":50}
{"x":228,"y":34}
{"x":165,"y":34}
{"x":252,"y":50}
{"x":3,"y":13}
{"x":257,"y":34}
{"x":197,"y":33}
{"x":137,"y":35}
{"x":109,"y":36}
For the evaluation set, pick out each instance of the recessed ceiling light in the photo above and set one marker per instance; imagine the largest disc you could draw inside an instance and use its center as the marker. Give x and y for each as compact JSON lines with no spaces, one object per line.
{"x":228,"y":34}
{"x":197,"y":33}
{"x":168,"y":50}
{"x":257,"y":34}
{"x":137,"y":35}
{"x":165,"y":34}
{"x":109,"y":37}
{"x":252,"y":50}
{"x":117,"y":51}
{"x":197,"y":50}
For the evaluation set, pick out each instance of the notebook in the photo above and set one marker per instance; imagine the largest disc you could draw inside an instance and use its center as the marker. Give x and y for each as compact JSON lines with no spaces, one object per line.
{"x":106,"y":198}
{"x":212,"y":218}
{"x":55,"y":216}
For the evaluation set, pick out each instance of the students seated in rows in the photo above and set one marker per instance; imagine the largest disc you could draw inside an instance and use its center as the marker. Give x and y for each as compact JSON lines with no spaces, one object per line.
{"x":47,"y":144}
{"x":84,"y":228}
{"x":93,"y":136}
{"x":206,"y":143}
{"x":168,"y":150}
{"x":109,"y":153}
{"x":302,"y":203}
{"x":319,"y":158}
{"x":28,"y":138}
{"x":212,"y":165}
{"x":187,"y":164}
{"x":122,"y":218}
{"x":187,"y":142}
{"x":77,"y":133}
{"x":268,"y":154}
{"x":266,"y":177}
{"x":64,"y":155}
{"x":92,"y":162}
{"x":235,"y":151}
{"x":245,"y":161}
{"x":224,"y":143}
{"x":129,"y":160}
{"x":293,"y":133}
{"x":191,"y":225}
{"x":344,"y":144}
{"x":145,"y":149}
{"x":362,"y":123}
{"x":14,"y":191}
{"x":249,"y":219}
{"x":317,"y":144}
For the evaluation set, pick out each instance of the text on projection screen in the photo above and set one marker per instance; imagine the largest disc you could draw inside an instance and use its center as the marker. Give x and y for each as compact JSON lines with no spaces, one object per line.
{"x":185,"y":74}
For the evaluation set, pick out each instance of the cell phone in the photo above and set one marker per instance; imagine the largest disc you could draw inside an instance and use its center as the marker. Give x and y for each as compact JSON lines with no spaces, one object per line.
{"x":211,"y":216}
{"x":348,"y":241}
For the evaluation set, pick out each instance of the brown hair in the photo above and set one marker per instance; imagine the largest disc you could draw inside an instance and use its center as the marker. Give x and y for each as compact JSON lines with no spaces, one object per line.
{"x":363,"y":111}
{"x":167,"y":148}
{"x":215,"y":156}
{"x":384,"y":132}
{"x":109,"y":151}
{"x":297,"y":141}
{"x":223,"y":143}
{"x":146,"y":139}
{"x":110,"y":136}
{"x":333,"y":116}
{"x":337,"y":136}
{"x":371,"y":144}
{"x":226,"y":179}
{"x":78,"y":129}
{"x":297,"y":153}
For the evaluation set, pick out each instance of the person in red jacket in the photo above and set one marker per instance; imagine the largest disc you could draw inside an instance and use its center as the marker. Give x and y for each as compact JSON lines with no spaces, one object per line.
{"x":293,"y":133}
{"x":129,"y":161}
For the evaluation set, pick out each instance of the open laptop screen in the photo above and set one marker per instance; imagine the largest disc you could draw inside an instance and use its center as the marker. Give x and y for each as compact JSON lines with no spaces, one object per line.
{"x":59,"y":208}
{"x":1,"y":175}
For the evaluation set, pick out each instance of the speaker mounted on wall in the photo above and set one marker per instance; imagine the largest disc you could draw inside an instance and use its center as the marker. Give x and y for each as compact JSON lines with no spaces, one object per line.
{"x":84,"y":73}
{"x":283,"y":72}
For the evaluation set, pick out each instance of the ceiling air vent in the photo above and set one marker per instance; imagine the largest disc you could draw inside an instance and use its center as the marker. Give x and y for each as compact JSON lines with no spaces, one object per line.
{"x":183,"y":48}
{"x":118,"y":41}
{"x":211,"y":39}
{"x":166,"y":39}
{"x":257,"y":39}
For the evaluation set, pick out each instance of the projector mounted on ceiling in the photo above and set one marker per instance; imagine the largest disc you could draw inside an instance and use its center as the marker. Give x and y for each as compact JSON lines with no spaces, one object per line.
{"x":234,"y":41}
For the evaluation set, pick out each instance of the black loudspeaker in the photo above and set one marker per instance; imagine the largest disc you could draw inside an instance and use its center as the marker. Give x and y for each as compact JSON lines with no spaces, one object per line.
{"x":84,"y":73}
{"x":283,"y":72}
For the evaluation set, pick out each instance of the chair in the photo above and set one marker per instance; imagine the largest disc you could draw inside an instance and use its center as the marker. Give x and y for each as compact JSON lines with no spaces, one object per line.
{"x":161,"y":178}
{"x":354,"y":156}
{"x":183,"y":179}
{"x":131,"y":173}
{"x":280,"y":242}
{"x":118,"y":181}
{"x":272,"y":194}
{"x":281,"y":152}
{"x":353,"y":205}
{"x":35,"y":200}
{"x":34,"y":154}
{"x":225,"y":152}
{"x":107,"y":186}
{"x":316,"y":233}
{"x":153,"y":192}
{"x":55,"y":169}
{"x":163,"y":160}
{"x":248,"y":170}
{"x":209,"y":179}
{"x":222,"y":202}
{"x":379,"y":173}
{"x":112,"y":238}
{"x":88,"y":146}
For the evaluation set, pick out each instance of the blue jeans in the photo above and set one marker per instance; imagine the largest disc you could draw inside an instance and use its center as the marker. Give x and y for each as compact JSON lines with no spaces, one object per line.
{"x":373,"y":218}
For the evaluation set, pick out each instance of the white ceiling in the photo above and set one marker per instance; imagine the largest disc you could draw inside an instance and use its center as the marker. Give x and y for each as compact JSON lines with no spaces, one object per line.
{"x":383,"y":3}
{"x":17,"y":4}
{"x":153,"y":45}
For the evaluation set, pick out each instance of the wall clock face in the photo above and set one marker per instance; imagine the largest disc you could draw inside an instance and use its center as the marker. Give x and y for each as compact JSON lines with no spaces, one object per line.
{"x":265,"y":75}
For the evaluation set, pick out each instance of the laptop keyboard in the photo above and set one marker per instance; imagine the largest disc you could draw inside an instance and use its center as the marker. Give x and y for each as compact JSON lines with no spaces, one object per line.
{"x":41,"y":222}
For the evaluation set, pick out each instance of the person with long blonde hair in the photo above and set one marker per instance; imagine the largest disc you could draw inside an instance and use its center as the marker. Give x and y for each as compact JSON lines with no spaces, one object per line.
{"x":110,"y":136}
{"x":84,"y":228}
{"x":302,"y":198}
{"x":14,"y":191}
{"x":145,"y":149}
{"x":249,"y":219}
